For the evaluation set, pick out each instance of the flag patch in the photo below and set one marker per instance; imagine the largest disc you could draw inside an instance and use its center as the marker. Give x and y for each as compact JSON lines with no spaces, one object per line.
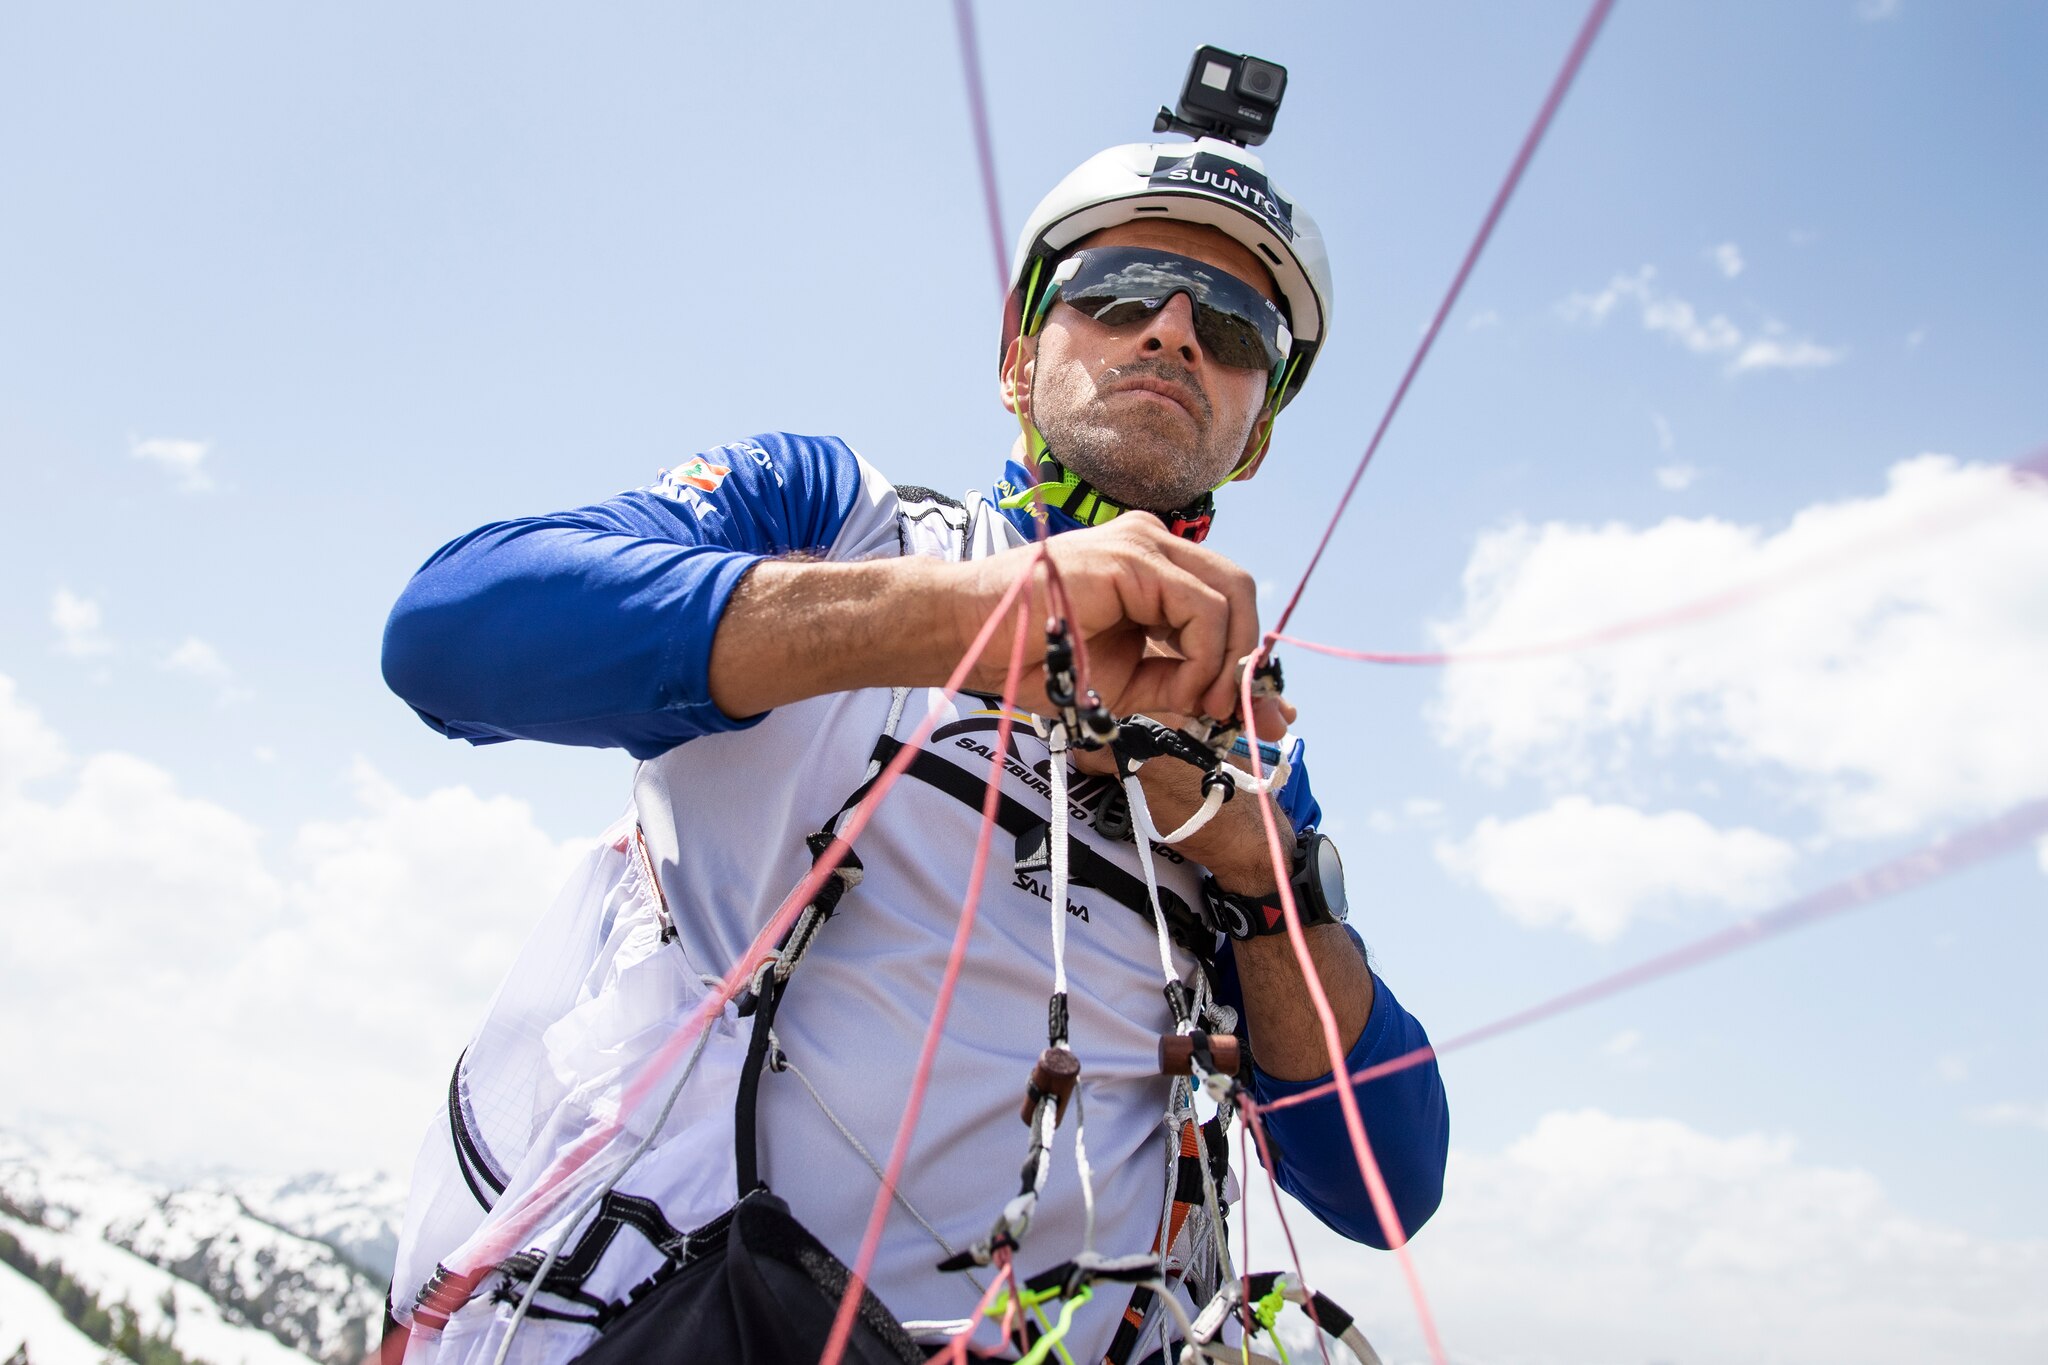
{"x":699,"y":473}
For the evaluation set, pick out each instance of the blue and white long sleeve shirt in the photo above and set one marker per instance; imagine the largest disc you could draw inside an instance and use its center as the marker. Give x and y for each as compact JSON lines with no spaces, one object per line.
{"x":595,"y":626}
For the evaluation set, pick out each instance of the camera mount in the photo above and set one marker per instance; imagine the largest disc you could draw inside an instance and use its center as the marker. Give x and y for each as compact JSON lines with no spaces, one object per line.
{"x":1230,"y":96}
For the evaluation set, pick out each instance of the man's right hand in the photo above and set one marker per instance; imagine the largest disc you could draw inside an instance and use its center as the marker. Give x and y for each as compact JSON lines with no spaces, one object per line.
{"x":1129,"y":584}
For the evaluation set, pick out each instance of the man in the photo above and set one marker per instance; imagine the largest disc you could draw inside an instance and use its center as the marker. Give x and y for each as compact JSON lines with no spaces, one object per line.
{"x":762,"y":629}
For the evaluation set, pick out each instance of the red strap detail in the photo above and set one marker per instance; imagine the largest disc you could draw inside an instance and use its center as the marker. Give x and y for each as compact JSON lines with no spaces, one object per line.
{"x":1194,"y":529}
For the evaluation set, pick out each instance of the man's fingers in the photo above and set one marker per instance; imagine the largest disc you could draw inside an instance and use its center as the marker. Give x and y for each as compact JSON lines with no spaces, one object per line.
{"x":1133,"y":572}
{"x":1270,"y":718}
{"x":1241,"y":619}
{"x":1199,"y":617}
{"x":1151,"y":689}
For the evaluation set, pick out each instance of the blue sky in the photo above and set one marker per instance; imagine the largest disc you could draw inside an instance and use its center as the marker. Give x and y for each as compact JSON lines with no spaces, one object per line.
{"x":290,"y":297}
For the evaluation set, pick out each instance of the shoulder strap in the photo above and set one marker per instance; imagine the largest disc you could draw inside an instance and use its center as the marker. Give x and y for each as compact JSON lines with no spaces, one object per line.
{"x":761,"y":1001}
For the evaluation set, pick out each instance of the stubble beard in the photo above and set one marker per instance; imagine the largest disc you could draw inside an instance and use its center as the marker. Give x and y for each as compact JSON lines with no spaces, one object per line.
{"x":1142,"y":455}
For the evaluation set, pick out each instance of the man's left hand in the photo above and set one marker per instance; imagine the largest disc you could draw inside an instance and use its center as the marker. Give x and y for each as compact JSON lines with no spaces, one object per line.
{"x":1232,"y":846}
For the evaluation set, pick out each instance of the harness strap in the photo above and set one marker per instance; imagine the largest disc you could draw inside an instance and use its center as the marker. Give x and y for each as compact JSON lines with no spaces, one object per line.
{"x":745,"y":1138}
{"x":614,"y":1213}
{"x":1089,"y":868}
{"x":566,"y":1276}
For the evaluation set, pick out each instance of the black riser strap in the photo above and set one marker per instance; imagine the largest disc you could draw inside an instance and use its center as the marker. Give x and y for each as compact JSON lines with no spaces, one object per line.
{"x":745,"y":1139}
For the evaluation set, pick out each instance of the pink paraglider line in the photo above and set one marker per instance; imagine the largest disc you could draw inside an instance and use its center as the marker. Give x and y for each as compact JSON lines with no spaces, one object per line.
{"x":2007,"y":832}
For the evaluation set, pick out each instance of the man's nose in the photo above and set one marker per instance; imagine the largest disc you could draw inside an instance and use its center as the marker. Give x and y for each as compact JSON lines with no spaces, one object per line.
{"x":1172,"y":329}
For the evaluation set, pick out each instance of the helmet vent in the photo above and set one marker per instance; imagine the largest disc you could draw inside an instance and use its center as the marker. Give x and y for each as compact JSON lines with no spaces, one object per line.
{"x":1153,"y":208}
{"x":1271,"y":254}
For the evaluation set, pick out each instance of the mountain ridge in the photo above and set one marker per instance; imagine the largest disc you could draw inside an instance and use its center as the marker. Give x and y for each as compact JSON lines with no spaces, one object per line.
{"x":225,"y":1269}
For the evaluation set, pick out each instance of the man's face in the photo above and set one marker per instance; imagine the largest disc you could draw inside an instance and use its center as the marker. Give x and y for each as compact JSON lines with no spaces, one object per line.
{"x":1142,"y":411}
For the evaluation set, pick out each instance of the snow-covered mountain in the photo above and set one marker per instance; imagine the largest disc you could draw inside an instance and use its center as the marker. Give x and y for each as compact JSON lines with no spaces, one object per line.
{"x":102,"y":1262}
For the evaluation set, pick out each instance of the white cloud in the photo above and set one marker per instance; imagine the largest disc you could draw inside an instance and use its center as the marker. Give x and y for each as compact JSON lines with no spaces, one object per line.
{"x":1483,"y":319}
{"x":252,"y":1005}
{"x":1678,"y":320}
{"x":2010,"y":1115}
{"x":183,"y":460}
{"x":78,"y":624}
{"x":1676,"y":478}
{"x":1593,"y":869}
{"x":1900,"y":687}
{"x":197,"y":659}
{"x":1727,"y":258}
{"x":1875,"y":11}
{"x":1952,"y":1067}
{"x":1778,"y":353}
{"x":1600,"y":1238}
{"x":29,"y":749}
{"x":1594,"y":308}
{"x":1677,"y":475}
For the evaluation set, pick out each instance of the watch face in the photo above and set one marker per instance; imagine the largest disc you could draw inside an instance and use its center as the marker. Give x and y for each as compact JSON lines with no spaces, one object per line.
{"x":1329,"y":875}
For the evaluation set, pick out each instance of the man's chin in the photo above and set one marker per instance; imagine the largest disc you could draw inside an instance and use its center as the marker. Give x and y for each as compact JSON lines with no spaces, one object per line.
{"x":1140,"y":459}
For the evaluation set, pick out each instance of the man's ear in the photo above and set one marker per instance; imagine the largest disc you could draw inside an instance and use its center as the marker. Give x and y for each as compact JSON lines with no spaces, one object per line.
{"x":1255,"y":448}
{"x":1018,"y":363}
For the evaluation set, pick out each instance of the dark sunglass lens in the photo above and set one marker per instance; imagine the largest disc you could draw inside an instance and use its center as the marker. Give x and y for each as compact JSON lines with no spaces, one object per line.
{"x":1232,"y":340}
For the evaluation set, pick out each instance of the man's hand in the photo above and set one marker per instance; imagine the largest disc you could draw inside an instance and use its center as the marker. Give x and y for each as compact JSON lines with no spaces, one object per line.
{"x":1232,"y":846}
{"x":1166,"y":623}
{"x":1286,"y":1035}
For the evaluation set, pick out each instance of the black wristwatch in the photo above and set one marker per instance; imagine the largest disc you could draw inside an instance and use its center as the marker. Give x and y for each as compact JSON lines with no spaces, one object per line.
{"x":1317,"y":877}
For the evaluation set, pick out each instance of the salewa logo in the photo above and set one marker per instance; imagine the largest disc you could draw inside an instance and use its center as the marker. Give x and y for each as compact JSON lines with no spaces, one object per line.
{"x":1024,"y":881}
{"x":1212,"y":174}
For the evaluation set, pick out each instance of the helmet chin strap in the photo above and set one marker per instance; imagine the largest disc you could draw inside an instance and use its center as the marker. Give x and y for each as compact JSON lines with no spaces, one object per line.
{"x":1061,"y":488}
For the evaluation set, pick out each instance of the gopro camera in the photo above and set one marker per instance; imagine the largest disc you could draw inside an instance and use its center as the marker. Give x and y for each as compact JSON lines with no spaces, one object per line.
{"x":1227,"y":96}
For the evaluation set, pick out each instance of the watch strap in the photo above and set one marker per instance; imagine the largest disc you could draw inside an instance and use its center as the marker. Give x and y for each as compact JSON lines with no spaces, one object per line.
{"x":1243,"y":917}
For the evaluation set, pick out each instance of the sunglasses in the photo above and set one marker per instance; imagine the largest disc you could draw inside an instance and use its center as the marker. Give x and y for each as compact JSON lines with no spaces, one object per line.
{"x":1119,"y":286}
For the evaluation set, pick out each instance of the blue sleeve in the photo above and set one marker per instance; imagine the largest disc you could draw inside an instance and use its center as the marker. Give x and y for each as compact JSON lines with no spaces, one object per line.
{"x":1303,"y":810}
{"x":1407,"y":1120}
{"x":594,"y":626}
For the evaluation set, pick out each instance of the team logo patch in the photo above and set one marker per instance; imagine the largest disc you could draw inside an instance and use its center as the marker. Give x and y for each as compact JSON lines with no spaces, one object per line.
{"x":1207,"y":173}
{"x":699,"y":473}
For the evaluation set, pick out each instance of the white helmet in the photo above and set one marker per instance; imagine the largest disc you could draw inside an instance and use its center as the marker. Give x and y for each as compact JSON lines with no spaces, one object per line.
{"x":1217,"y":184}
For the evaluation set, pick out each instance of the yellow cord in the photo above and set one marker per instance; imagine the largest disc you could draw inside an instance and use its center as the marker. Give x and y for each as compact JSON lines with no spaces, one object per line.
{"x":1054,"y":1335}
